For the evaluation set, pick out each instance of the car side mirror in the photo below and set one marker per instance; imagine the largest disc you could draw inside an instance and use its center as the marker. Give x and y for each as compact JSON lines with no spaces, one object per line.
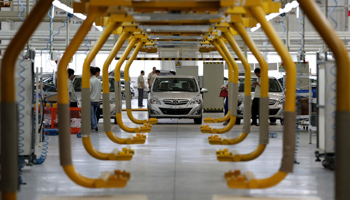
{"x":204,"y":90}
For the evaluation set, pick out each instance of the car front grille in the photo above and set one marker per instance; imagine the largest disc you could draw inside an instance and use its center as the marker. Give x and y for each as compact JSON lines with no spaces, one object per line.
{"x":171,"y":111}
{"x":273,"y":111}
{"x":175,"y":101}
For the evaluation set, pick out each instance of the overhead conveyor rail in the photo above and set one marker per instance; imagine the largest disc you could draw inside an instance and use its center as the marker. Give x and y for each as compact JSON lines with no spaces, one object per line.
{"x":128,"y":19}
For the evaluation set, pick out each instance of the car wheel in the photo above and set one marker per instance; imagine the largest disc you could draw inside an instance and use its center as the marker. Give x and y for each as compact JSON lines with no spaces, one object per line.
{"x":198,"y":120}
{"x":273,"y":120}
{"x":281,"y":120}
{"x":238,"y":121}
{"x":115,"y":121}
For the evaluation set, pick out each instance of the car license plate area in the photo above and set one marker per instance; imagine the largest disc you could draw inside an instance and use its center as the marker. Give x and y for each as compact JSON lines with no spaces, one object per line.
{"x":173,"y":111}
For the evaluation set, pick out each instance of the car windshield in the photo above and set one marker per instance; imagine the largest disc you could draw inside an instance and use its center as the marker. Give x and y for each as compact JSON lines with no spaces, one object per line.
{"x":175,"y":84}
{"x":274,"y":85}
{"x":77,"y":84}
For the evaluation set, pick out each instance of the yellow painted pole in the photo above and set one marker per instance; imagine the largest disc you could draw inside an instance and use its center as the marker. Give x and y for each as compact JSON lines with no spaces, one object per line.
{"x":86,"y":102}
{"x":342,"y":117}
{"x":9,"y":123}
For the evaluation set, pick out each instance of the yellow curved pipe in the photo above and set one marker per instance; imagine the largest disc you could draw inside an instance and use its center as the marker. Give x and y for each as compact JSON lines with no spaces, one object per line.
{"x":77,"y":178}
{"x":332,"y":39}
{"x":9,"y":195}
{"x":143,"y":129}
{"x":94,"y":153}
{"x":127,"y":78}
{"x":228,"y":127}
{"x":251,"y":156}
{"x":324,"y":28}
{"x":123,"y":58}
{"x":8,"y":91}
{"x":63,"y":92}
{"x":289,"y":105}
{"x":238,"y":139}
{"x":138,"y":121}
{"x":253,"y":183}
{"x":230,"y":79}
{"x":247,"y":87}
{"x":214,"y":139}
{"x":138,"y":139}
{"x":223,"y":49}
{"x":111,"y":56}
{"x":111,"y":26}
{"x":246,"y":65}
{"x":258,"y":13}
{"x":105,"y":87}
{"x":231,"y":60}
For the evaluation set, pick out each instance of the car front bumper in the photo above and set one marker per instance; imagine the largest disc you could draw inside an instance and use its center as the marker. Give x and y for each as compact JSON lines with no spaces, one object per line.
{"x":167,"y":111}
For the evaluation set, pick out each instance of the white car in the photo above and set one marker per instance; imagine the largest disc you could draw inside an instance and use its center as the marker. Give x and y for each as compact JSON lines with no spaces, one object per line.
{"x":176,"y":97}
{"x":276,"y":99}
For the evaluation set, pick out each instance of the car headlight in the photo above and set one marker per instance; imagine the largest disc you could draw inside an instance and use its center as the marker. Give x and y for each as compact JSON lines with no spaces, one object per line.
{"x":154,"y":101}
{"x":196,"y":100}
{"x":281,"y":101}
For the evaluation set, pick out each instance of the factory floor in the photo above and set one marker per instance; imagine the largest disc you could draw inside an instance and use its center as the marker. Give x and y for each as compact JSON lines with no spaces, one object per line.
{"x":178,"y":163}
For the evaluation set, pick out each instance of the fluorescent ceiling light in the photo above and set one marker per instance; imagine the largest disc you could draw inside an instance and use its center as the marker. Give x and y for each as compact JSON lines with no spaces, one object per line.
{"x":151,"y":17}
{"x":171,"y":37}
{"x":176,"y":28}
{"x":68,"y":9}
{"x":286,"y":9}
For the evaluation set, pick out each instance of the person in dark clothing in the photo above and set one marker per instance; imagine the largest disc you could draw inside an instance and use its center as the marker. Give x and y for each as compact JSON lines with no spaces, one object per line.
{"x":256,"y":100}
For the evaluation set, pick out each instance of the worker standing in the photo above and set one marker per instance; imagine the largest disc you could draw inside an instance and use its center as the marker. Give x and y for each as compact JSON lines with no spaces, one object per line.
{"x":95,"y":96}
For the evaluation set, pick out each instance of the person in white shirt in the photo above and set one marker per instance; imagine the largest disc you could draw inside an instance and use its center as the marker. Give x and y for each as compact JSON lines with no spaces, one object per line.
{"x":256,"y":100}
{"x":95,"y":96}
{"x":150,"y":76}
{"x":73,"y":100}
{"x":140,"y":87}
{"x":153,"y":77}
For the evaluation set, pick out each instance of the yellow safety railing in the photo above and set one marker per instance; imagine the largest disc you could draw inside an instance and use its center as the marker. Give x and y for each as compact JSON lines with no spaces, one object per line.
{"x":214,"y":139}
{"x":143,"y":129}
{"x":233,"y":90}
{"x":86,"y":102}
{"x":230,"y":79}
{"x":139,"y":138}
{"x":116,"y":179}
{"x":235,"y":179}
{"x":224,"y":155}
{"x":9,"y":123}
{"x":342,"y":116}
{"x":127,"y":89}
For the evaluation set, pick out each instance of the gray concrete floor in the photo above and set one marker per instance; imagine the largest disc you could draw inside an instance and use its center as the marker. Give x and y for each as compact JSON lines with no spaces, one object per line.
{"x":178,"y":163}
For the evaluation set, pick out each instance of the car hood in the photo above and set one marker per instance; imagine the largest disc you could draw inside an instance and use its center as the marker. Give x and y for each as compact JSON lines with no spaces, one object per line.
{"x":174,"y":95}
{"x":272,"y":95}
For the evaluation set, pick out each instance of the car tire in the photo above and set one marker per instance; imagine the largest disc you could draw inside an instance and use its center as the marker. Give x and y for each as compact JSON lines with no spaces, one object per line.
{"x":198,"y":120}
{"x":115,"y":121}
{"x":238,"y":121}
{"x":281,"y":120}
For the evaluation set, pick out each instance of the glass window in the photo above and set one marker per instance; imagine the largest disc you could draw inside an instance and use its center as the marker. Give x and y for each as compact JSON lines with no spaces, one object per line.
{"x":274,"y":85}
{"x":77,"y":84}
{"x":175,"y":84}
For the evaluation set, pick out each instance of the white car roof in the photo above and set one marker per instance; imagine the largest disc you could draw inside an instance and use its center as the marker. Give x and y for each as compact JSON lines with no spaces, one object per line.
{"x":176,"y":76}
